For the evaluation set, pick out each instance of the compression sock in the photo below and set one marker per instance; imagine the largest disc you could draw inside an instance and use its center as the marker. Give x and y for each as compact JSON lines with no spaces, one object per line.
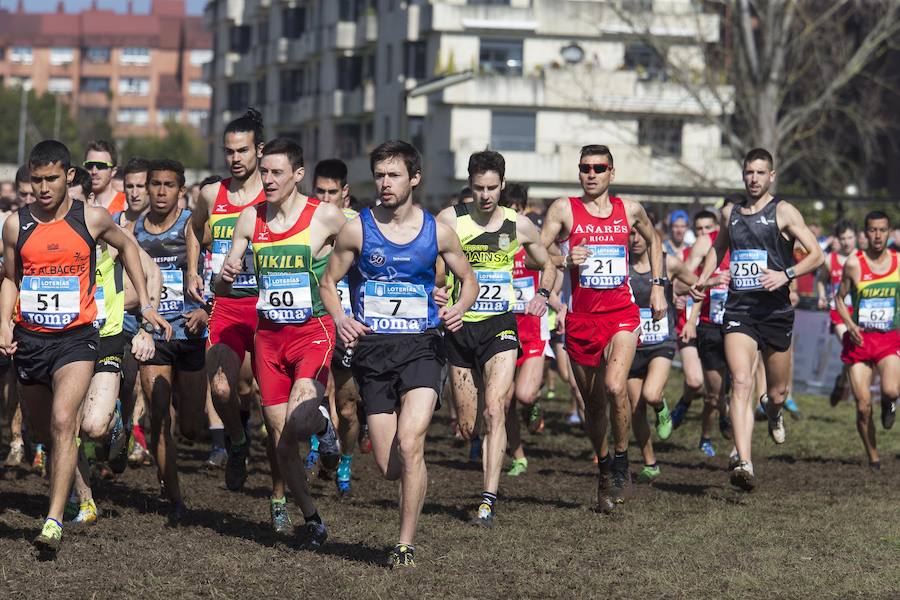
{"x":489,"y":499}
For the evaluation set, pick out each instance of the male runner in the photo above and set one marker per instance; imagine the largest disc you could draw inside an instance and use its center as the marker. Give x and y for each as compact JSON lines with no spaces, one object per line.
{"x":760,"y":235}
{"x":80,"y":186}
{"x":603,"y":323}
{"x":49,"y":261}
{"x":100,"y":162}
{"x":830,"y":274}
{"x":291,"y":236}
{"x":482,"y":355}
{"x":398,"y":353}
{"x":872,"y":339}
{"x":176,"y":368}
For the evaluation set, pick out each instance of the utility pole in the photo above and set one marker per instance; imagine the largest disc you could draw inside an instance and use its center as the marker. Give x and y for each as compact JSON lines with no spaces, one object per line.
{"x":23,"y":120}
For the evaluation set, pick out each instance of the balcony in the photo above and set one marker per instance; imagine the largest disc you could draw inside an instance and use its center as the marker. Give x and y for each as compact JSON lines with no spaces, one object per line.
{"x":297,"y":49}
{"x":461,"y":17}
{"x":351,"y":103}
{"x":367,"y":29}
{"x":301,"y":110}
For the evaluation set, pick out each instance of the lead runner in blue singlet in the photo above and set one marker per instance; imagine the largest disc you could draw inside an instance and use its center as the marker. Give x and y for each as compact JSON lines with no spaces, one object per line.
{"x":390,"y":252}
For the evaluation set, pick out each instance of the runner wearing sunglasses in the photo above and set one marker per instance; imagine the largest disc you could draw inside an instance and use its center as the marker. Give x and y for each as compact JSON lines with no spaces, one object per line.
{"x":100,"y":162}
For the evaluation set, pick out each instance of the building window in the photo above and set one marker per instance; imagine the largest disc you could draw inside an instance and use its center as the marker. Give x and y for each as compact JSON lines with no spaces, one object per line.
{"x":200,"y":57}
{"x":134,"y":86}
{"x":93,"y":113}
{"x":164,"y":115}
{"x":238,"y":96}
{"x":646,"y":61}
{"x":196,"y":117}
{"x":348,"y":10}
{"x":239,"y":40}
{"x":133,"y":116}
{"x":513,"y":131}
{"x":62,"y":55}
{"x":21,"y":55}
{"x":663,"y":136}
{"x":291,"y":85}
{"x":349,"y":72}
{"x":96,"y":55}
{"x":347,"y":140}
{"x":414,"y":60}
{"x":95,"y":84}
{"x":198,"y":87}
{"x":135,"y":56}
{"x":293,"y":21}
{"x":23,"y":82}
{"x":501,"y":57}
{"x":59,"y":85}
{"x":416,"y":128}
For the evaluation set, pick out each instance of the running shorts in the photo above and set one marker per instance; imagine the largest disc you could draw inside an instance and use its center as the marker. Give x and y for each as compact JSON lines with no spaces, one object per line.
{"x":531,"y":349}
{"x":233,"y":323}
{"x":644,"y":354}
{"x":182,"y":355}
{"x":110,"y":351}
{"x":587,"y":335}
{"x":477,"y":342}
{"x":877,"y":345}
{"x":770,"y":332}
{"x":711,"y":346}
{"x":39,"y":355}
{"x":285,"y":353}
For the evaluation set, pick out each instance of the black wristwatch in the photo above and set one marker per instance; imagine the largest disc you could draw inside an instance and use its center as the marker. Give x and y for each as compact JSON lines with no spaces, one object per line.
{"x":659,"y":281}
{"x":544,"y":292}
{"x":148,"y":327}
{"x":791,"y":275}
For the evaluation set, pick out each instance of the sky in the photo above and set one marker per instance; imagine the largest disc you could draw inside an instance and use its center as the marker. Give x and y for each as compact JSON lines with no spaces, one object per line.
{"x":195,"y":7}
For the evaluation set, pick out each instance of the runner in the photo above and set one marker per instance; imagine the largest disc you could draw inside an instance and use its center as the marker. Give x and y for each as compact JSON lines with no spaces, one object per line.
{"x":603,"y":323}
{"x":80,"y":186}
{"x":482,"y":355}
{"x":291,"y":235}
{"x":830,"y":275}
{"x":760,"y":235}
{"x":398,"y":354}
{"x":100,"y":163}
{"x":24,"y":191}
{"x":872,"y":339}
{"x":54,"y":342}
{"x":176,"y":368}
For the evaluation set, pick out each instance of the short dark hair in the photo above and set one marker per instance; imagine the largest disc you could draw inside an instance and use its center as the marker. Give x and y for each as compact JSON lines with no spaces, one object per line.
{"x":103,"y":146}
{"x":166,"y":164}
{"x":759,"y":154}
{"x":82,"y":178}
{"x":596,"y":150}
{"x":250,"y":121}
{"x":331,"y":168}
{"x":705,"y":214}
{"x":844,"y":225}
{"x":23,"y":175}
{"x":136,"y":165}
{"x":394,"y":148}
{"x":466,"y":192}
{"x":209,"y":181}
{"x":288,"y":147}
{"x":487,"y":160}
{"x":515,"y":195}
{"x":876,"y":215}
{"x":735,"y":199}
{"x":48,"y":152}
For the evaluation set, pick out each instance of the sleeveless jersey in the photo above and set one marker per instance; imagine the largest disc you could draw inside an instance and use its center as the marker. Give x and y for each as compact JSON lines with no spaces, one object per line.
{"x":652,"y":332}
{"x":287,"y":273}
{"x":343,"y":286}
{"x":757,"y":244}
{"x":600,"y":284}
{"x":118,"y":203}
{"x":491,"y":255}
{"x":525,"y":286}
{"x":876,"y":297}
{"x":169,"y":251}
{"x":391,"y":284}
{"x":222,"y":220}
{"x":713,"y":308}
{"x":109,"y":294}
{"x":56,"y":266}
{"x":836,"y":273}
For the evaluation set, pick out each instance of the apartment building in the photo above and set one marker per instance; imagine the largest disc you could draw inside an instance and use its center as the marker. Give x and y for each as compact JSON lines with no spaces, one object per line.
{"x":136,"y":70}
{"x":533,"y":79}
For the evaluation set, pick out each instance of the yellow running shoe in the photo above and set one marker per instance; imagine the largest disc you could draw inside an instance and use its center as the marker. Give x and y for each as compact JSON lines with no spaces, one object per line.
{"x":87,"y":513}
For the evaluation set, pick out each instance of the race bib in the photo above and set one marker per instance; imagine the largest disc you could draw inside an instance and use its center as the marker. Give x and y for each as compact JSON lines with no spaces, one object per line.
{"x":343,"y":289}
{"x":717,"y":298}
{"x":51,"y":302}
{"x":494,"y":292}
{"x":652,"y":331}
{"x":171,"y":300}
{"x":523,"y":287}
{"x":746,"y":267}
{"x":390,"y":307}
{"x":285,"y":298}
{"x":605,"y":268}
{"x":876,"y":313}
{"x":100,"y":301}
{"x":247,"y":277}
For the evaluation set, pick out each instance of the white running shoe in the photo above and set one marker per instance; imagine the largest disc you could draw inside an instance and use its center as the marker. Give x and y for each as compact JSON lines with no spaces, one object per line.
{"x":742,"y":476}
{"x":776,"y":427}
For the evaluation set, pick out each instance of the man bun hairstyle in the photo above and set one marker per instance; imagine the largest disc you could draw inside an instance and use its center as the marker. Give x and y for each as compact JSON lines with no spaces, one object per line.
{"x":251,"y":121}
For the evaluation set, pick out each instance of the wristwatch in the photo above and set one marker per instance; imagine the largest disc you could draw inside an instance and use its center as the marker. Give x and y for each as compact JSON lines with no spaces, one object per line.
{"x":148,"y":327}
{"x":791,"y":275}
{"x":544,"y":292}
{"x":659,"y":281}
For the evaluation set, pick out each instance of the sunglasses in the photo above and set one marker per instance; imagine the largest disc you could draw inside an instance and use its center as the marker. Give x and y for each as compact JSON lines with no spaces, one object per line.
{"x":596,"y":168}
{"x":100,"y":165}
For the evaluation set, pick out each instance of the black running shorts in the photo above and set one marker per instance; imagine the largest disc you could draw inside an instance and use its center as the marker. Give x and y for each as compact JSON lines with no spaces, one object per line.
{"x":109,"y":353}
{"x":183,"y":355}
{"x":386,"y":366}
{"x":644,"y":354}
{"x":39,"y":355}
{"x":771,"y":332}
{"x":477,"y":342}
{"x":711,"y":346}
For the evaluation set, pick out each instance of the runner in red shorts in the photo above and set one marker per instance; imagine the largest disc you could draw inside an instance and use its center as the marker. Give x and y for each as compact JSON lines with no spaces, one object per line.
{"x":291,"y":236}
{"x":872,"y":340}
{"x":603,"y":324}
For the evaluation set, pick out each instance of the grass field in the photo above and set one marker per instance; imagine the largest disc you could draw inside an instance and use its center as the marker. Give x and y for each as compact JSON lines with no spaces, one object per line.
{"x":819,"y":525}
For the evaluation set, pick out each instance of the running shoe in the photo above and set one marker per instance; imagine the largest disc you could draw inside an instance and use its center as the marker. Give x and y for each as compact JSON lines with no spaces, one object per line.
{"x":621,"y":479}
{"x":475,"y":449}
{"x":312,"y":459}
{"x":71,"y":508}
{"x":792,"y":408}
{"x":177,"y":514}
{"x":281,"y":519}
{"x":648,"y":473}
{"x":678,"y":413}
{"x":519,"y":467}
{"x":776,"y":427}
{"x":329,"y":448}
{"x":725,"y":427}
{"x":888,"y":414}
{"x":342,"y":477}
{"x":574,"y":418}
{"x":139,"y":456}
{"x":706,"y":447}
{"x":838,"y":391}
{"x":16,"y":454}
{"x":742,"y":476}
{"x":87,"y":513}
{"x":663,"y":421}
{"x":733,"y":459}
{"x":312,"y":535}
{"x":365,"y":443}
{"x":39,"y":464}
{"x":236,"y":465}
{"x":484,"y":517}
{"x":401,"y":557}
{"x":605,"y":502}
{"x":50,"y":537}
{"x":536,"y":419}
{"x":118,"y":436}
{"x":875,"y":466}
{"x":217,"y":459}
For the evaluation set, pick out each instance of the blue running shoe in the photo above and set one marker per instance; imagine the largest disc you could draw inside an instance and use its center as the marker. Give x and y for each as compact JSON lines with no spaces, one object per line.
{"x":792,"y":408}
{"x":329,"y":448}
{"x":475,"y":449}
{"x":706,"y":447}
{"x":312,"y":459}
{"x":678,"y":413}
{"x":343,"y":476}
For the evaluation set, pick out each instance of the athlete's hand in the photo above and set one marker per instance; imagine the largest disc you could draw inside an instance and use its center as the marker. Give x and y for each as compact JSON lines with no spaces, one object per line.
{"x":441,"y":295}
{"x":723,"y":278}
{"x":452,"y":317}
{"x":822,"y":303}
{"x":855,"y":334}
{"x":794,"y":297}
{"x":142,"y":346}
{"x":561,"y":319}
{"x":688,"y":332}
{"x":577,"y":255}
{"x":537,"y":306}
{"x":698,"y":290}
{"x":349,"y":329}
{"x":680,"y":302}
{"x":7,"y":345}
{"x":231,"y":269}
{"x":195,"y":321}
{"x":195,"y":287}
{"x":159,"y":324}
{"x":772,"y":280}
{"x":658,"y":303}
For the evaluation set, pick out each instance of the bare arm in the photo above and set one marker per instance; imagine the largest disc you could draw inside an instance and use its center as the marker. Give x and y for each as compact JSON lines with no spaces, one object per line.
{"x":792,"y":222}
{"x":347,"y":246}
{"x":641,"y":222}
{"x":530,"y":238}
{"x":451,"y":251}
{"x":557,"y":221}
{"x":9,"y":289}
{"x":234,"y":262}
{"x":849,"y":276}
{"x":714,"y":256}
{"x":153,"y":280}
